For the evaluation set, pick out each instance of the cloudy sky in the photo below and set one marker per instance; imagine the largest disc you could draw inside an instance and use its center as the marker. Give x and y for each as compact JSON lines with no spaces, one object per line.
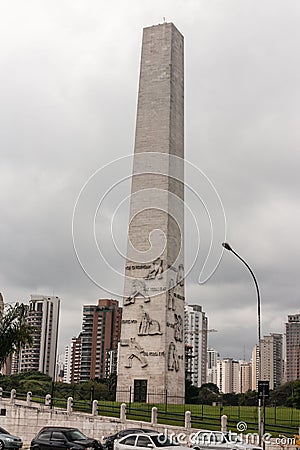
{"x":68,"y":82}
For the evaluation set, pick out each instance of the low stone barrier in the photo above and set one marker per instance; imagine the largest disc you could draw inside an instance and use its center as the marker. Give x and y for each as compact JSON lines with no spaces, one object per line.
{"x":26,"y":418}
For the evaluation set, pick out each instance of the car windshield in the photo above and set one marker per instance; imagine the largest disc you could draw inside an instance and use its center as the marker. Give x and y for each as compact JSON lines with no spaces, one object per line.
{"x":234,"y":437}
{"x":161,"y":440}
{"x":2,"y":431}
{"x":213,"y":437}
{"x":75,"y":435}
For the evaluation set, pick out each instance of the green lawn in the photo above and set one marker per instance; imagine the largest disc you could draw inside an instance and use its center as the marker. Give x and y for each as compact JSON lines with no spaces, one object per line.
{"x":279,"y":420}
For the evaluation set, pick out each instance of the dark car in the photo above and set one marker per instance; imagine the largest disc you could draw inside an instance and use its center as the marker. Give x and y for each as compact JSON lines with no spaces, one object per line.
{"x":9,"y":441}
{"x":109,"y":440}
{"x":61,"y":438}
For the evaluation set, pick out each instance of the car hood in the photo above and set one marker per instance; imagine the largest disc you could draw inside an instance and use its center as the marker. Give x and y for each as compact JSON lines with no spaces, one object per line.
{"x":10,"y":436}
{"x":176,"y":447}
{"x":248,"y":446}
{"x":84,"y":442}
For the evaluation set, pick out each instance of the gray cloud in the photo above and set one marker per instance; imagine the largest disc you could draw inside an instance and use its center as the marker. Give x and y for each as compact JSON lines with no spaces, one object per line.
{"x":68,"y":89}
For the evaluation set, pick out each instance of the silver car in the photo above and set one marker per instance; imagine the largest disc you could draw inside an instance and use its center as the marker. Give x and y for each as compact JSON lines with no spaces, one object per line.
{"x":139,"y":441}
{"x":218,"y":440}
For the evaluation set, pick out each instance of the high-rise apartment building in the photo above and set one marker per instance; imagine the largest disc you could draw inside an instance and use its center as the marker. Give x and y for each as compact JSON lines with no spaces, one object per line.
{"x":292,"y":368}
{"x":188,"y":355}
{"x":60,"y":368}
{"x":195,"y":335}
{"x":67,"y":364}
{"x":255,"y":368}
{"x":228,"y":376}
{"x":100,"y":332}
{"x":43,"y":315}
{"x":76,"y":359}
{"x":212,"y":358}
{"x":245,"y":376}
{"x":233,"y":376}
{"x":111,"y":363}
{"x":272,"y":359}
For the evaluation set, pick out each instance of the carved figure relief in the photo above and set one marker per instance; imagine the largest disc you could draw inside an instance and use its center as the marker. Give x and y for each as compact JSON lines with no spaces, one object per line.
{"x":138,"y":291}
{"x":135,"y":351}
{"x":148,"y":326}
{"x":173,"y":360}
{"x":180,"y":275}
{"x":156,"y":270}
{"x":171,"y":297}
{"x":178,"y":328}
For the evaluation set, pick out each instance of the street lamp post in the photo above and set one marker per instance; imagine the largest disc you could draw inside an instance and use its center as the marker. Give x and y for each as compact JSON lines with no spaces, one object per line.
{"x":228,"y":247}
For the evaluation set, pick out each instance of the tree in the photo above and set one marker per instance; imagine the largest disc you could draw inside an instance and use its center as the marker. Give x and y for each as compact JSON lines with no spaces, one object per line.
{"x":231,"y":399}
{"x":208,"y":394}
{"x":249,"y":398}
{"x":15,"y":333}
{"x":191,"y":393}
{"x":294,"y":399}
{"x":211,"y":387}
{"x":282,"y":395}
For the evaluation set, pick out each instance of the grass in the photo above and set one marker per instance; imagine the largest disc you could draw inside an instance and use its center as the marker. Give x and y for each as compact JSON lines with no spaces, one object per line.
{"x":278,"y":420}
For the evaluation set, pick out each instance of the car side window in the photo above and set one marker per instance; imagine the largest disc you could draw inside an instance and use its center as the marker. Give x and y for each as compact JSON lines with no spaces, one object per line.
{"x":203,"y":438}
{"x":219,"y":438}
{"x":45,"y":436}
{"x":2,"y":431}
{"x":130,"y":440}
{"x":58,"y":436}
{"x":143,"y":441}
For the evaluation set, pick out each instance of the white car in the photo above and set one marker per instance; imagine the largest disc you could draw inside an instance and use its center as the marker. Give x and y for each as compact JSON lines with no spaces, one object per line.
{"x":139,"y":441}
{"x":218,"y":440}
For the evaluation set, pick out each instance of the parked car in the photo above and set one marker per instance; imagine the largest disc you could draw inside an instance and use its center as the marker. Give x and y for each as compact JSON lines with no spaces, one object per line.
{"x":61,"y":438}
{"x":109,"y":440}
{"x":9,"y":441}
{"x":138,"y":441}
{"x":218,"y":440}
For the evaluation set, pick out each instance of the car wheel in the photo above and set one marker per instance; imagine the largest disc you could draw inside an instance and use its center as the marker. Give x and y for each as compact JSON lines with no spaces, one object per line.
{"x":1,"y":445}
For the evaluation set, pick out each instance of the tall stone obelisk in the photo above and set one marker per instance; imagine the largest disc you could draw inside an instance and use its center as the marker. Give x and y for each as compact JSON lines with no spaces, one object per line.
{"x":151,"y":363}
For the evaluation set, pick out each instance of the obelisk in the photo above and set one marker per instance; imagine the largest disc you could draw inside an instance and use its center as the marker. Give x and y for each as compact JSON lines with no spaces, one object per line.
{"x":151,"y":364}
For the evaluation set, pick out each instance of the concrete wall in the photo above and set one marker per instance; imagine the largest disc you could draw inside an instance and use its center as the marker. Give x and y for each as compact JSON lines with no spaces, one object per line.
{"x":25,"y":421}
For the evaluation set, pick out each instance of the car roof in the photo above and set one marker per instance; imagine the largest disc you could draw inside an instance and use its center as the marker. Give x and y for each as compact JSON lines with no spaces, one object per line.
{"x":59,"y":428}
{"x":136,"y":430}
{"x":154,"y":433}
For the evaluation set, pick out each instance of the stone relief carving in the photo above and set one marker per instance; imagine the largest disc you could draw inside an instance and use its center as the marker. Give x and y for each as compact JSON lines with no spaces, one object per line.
{"x":156,"y":270}
{"x":173,"y":360}
{"x":180,"y":275}
{"x":138,"y":291}
{"x":178,"y":328}
{"x":171,"y":297}
{"x":148,"y":326}
{"x":135,"y":351}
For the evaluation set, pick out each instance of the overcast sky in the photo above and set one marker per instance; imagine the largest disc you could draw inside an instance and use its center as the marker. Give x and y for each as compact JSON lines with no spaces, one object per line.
{"x":68,"y":83}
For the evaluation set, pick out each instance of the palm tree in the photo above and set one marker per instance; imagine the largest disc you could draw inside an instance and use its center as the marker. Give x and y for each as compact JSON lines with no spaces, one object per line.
{"x":15,"y":332}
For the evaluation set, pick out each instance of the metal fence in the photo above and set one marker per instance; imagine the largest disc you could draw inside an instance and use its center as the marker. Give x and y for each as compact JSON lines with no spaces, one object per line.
{"x":278,"y":420}
{"x":152,"y":398}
